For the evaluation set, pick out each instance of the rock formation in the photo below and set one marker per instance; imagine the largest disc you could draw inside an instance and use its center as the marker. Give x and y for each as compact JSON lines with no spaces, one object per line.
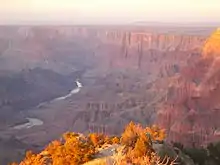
{"x":192,"y":115}
{"x":212,"y":45}
{"x":131,"y":73}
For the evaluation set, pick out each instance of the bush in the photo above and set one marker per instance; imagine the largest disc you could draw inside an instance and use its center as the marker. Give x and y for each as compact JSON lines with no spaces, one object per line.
{"x":76,"y":149}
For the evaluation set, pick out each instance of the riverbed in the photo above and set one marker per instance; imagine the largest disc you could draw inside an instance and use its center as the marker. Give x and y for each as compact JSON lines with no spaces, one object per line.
{"x":37,"y":122}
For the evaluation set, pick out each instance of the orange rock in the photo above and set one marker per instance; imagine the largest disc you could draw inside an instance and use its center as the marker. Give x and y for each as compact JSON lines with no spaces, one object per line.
{"x":212,"y":45}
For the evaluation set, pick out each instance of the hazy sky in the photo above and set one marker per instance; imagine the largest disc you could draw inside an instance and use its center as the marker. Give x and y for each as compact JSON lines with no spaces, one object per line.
{"x":109,"y":11}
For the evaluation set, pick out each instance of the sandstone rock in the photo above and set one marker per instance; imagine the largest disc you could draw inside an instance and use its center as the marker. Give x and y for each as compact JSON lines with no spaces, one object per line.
{"x":212,"y":45}
{"x":193,"y":121}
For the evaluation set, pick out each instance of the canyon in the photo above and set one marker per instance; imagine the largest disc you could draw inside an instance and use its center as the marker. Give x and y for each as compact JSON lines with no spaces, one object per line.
{"x":150,"y":75}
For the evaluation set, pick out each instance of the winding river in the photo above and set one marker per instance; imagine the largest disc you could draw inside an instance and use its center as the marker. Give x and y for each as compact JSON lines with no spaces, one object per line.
{"x":31,"y":122}
{"x":37,"y":122}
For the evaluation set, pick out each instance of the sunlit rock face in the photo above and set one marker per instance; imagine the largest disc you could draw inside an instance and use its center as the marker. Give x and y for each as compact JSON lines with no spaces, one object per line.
{"x":191,"y":114}
{"x":212,"y":45}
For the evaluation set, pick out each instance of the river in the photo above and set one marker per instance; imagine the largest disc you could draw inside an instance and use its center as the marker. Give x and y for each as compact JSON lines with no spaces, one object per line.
{"x":37,"y":122}
{"x":31,"y":122}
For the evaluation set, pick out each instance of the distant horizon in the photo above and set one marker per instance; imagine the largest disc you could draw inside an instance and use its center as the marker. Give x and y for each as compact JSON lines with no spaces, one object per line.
{"x":135,"y":23}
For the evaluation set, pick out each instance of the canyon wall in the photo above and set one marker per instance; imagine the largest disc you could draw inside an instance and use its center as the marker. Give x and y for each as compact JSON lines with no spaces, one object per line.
{"x":212,"y":45}
{"x":127,"y":39}
{"x":115,"y":47}
{"x":143,"y":50}
{"x":191,"y":114}
{"x":157,"y":72}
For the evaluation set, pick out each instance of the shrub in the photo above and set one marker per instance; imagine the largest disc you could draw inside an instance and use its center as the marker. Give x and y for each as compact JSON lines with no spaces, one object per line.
{"x":76,"y":149}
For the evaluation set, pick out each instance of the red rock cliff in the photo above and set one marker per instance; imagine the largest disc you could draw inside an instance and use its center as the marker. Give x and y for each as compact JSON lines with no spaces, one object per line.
{"x":191,"y":114}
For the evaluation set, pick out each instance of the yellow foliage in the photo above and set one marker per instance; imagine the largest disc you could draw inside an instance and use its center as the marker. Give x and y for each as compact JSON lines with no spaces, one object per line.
{"x":115,"y":140}
{"x":156,"y":133}
{"x":76,"y":149}
{"x":97,"y":139}
{"x":130,"y":135}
